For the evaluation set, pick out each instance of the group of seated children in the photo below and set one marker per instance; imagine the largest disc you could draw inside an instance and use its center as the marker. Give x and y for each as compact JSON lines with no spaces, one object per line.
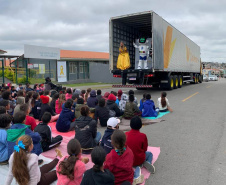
{"x":23,"y":139}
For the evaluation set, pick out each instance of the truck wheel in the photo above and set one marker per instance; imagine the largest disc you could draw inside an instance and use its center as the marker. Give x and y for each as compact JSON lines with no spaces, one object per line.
{"x":170,"y":84}
{"x":180,"y":81}
{"x":175,"y":82}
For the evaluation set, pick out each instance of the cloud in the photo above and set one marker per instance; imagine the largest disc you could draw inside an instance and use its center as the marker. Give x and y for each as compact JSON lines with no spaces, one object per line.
{"x":84,"y":25}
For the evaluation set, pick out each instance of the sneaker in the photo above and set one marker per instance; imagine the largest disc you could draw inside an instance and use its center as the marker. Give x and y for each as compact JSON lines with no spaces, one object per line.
{"x":138,"y":180}
{"x":40,"y":161}
{"x":149,"y":167}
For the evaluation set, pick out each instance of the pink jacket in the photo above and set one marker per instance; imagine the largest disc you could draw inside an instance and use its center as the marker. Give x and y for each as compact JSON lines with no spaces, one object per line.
{"x":79,"y":170}
{"x":68,"y":96}
{"x":57,"y":109}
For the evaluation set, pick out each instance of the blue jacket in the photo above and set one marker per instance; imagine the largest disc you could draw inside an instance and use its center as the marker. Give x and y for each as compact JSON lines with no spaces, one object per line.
{"x":106,"y":140}
{"x":3,"y":145}
{"x":64,"y":120}
{"x":92,"y":100}
{"x":17,"y":130}
{"x":141,"y":104}
{"x":149,"y":109}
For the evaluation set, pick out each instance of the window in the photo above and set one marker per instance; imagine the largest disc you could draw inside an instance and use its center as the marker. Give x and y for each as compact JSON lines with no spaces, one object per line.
{"x":72,"y":67}
{"x":81,"y":67}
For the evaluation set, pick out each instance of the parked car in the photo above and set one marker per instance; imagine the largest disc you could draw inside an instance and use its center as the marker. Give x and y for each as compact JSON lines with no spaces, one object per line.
{"x":205,"y":78}
{"x":213,"y":78}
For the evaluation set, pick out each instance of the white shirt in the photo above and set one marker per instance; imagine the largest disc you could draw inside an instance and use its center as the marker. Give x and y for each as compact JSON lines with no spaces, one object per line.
{"x":33,"y":168}
{"x":160,"y":105}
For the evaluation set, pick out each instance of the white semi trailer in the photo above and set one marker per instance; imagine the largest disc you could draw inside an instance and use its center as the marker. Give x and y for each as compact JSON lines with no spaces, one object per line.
{"x":173,"y":59}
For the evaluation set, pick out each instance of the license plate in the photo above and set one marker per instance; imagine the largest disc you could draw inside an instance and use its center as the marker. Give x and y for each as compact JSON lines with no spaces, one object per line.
{"x":132,"y":74}
{"x":132,"y":79}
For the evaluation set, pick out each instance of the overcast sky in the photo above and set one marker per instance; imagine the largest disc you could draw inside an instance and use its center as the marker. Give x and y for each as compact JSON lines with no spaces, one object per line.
{"x":84,"y":25}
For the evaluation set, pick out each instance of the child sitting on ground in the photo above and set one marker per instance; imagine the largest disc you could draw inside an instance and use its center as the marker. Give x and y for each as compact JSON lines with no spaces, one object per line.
{"x":29,"y":120}
{"x":59,"y":102}
{"x":20,"y":101}
{"x":102,"y":113}
{"x":53,"y":102}
{"x":47,"y":93}
{"x":66,"y":119}
{"x":18,"y":129}
{"x":99,"y":96}
{"x":120,"y":161}
{"x":138,"y":143}
{"x":80,"y":103}
{"x":70,"y":168}
{"x":23,"y":165}
{"x":97,"y":174}
{"x":112,"y":124}
{"x":131,"y":92}
{"x":149,"y":108}
{"x":68,"y":94}
{"x":6,"y":104}
{"x":5,"y":120}
{"x":46,"y":108}
{"x":36,"y":109}
{"x":164,"y":103}
{"x":47,"y":141}
{"x":92,"y":100}
{"x":131,"y":108}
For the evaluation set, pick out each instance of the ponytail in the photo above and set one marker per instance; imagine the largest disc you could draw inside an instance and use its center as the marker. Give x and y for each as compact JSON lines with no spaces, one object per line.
{"x":163,"y":99}
{"x":118,"y":140}
{"x":66,"y":167}
{"x":19,"y":167}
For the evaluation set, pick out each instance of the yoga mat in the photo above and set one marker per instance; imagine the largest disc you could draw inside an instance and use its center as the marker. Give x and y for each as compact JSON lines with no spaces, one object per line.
{"x":159,"y":116}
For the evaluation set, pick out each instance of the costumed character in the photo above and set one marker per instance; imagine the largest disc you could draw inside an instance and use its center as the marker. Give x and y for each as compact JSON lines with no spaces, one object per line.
{"x":123,"y":61}
{"x":143,"y":52}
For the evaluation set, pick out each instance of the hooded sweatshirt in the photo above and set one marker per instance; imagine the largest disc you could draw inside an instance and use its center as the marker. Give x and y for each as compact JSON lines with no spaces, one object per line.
{"x":79,"y":170}
{"x":92,"y":100}
{"x":65,"y":119}
{"x":78,"y":109}
{"x":149,"y":109}
{"x":85,"y":131}
{"x":3,"y":145}
{"x":57,"y":108}
{"x":113,"y":106}
{"x":98,"y":178}
{"x":17,"y":130}
{"x":122,"y":102}
{"x":120,"y":165}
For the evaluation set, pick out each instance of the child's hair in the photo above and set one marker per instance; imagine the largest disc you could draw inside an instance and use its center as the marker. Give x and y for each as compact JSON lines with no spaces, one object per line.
{"x":41,"y":93}
{"x":136,"y":123}
{"x":131,"y":98}
{"x":46,"y":92}
{"x":148,"y":96}
{"x":131,"y":92}
{"x":35,"y":96}
{"x":118,"y":140}
{"x":69,"y":91}
{"x":19,"y":117}
{"x":5,"y":120}
{"x":20,"y":93}
{"x":144,"y":97}
{"x":98,"y":92}
{"x":28,"y":96}
{"x":6,"y":95}
{"x":84,"y":110}
{"x":87,"y":93}
{"x":52,"y":93}
{"x":115,"y":93}
{"x":2,"y":110}
{"x":98,"y":156}
{"x":80,"y":101}
{"x":102,"y":102}
{"x":66,"y":167}
{"x":62,"y":99}
{"x":24,"y":108}
{"x":55,"y":96}
{"x":75,"y":96}
{"x":12,"y":87}
{"x":68,"y":104}
{"x":4,"y":103}
{"x":46,"y":117}
{"x":20,"y":84}
{"x":19,"y":167}
{"x":163,"y":99}
{"x":35,"y":86}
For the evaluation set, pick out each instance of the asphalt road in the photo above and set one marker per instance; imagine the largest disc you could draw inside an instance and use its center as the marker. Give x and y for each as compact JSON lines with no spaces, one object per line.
{"x":192,"y":139}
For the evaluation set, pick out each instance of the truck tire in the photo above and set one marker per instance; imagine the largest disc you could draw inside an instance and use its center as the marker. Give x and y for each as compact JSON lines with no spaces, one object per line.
{"x":180,"y":81}
{"x":175,"y":81}
{"x":170,"y":84}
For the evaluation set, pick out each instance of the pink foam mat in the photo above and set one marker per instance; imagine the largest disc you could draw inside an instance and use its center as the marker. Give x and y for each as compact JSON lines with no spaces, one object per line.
{"x":69,"y":134}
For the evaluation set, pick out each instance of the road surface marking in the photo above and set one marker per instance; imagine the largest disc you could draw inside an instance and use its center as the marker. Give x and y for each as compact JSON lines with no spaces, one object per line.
{"x":209,"y":86}
{"x":189,"y":97}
